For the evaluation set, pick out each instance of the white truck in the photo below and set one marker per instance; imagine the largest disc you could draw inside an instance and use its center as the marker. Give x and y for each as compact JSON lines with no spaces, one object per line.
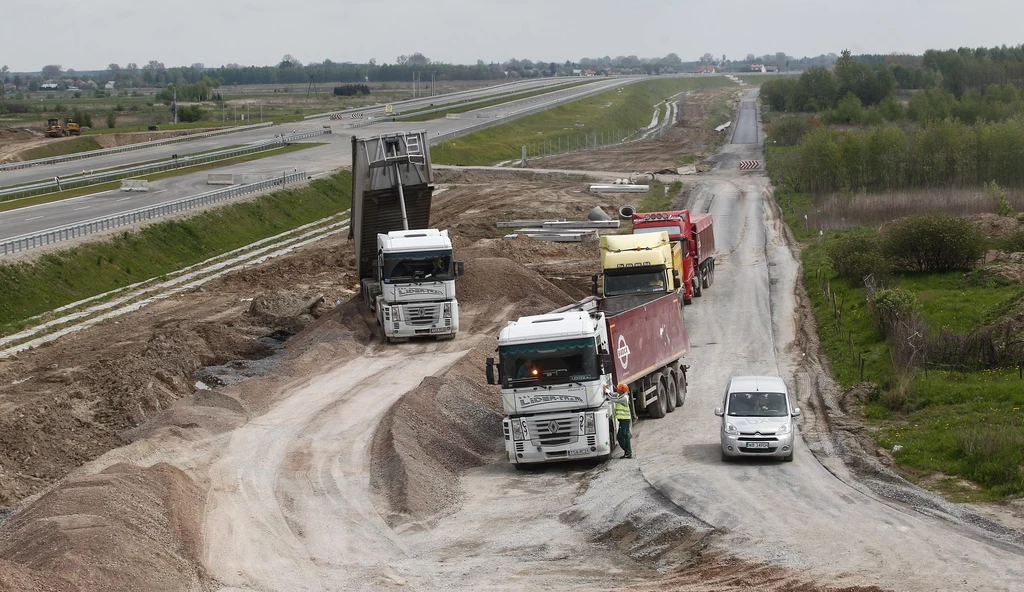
{"x":412,"y":291}
{"x":555,"y":370}
{"x":406,"y":270}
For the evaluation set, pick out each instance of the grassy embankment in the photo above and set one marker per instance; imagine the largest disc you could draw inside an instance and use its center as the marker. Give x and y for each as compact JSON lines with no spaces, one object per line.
{"x":473,"y":104}
{"x":627,"y":107}
{"x":960,"y":430}
{"x":59,"y":195}
{"x":66,"y":276}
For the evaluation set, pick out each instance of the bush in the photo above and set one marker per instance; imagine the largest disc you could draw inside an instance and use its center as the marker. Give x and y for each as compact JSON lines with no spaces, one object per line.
{"x":891,"y":305}
{"x":1015,"y":244}
{"x":932,"y":242}
{"x":788,"y":131}
{"x":348,"y":90}
{"x":111,"y":120}
{"x":998,"y":194}
{"x":856,"y":256}
{"x":191,"y":113}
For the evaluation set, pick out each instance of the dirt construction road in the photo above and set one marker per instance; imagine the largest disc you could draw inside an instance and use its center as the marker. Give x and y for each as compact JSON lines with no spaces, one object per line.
{"x":341,"y":463}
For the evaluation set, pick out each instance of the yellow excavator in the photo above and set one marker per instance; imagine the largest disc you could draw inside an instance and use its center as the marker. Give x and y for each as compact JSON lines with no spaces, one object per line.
{"x":54,"y":129}
{"x":73,"y":128}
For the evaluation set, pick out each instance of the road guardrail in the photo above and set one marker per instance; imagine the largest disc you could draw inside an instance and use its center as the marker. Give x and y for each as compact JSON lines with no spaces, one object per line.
{"x":129,"y":147}
{"x":63,"y":233}
{"x":58,"y":184}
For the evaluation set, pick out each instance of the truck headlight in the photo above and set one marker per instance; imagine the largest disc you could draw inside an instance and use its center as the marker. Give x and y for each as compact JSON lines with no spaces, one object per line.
{"x":396,"y":312}
{"x":731,"y":429}
{"x":447,"y":310}
{"x":589,"y":427}
{"x":517,"y":430}
{"x":783,"y":430}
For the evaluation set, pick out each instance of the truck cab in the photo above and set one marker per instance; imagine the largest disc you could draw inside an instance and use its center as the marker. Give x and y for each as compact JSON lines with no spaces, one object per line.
{"x":554,"y":371}
{"x":694,"y":234}
{"x":412,"y":291}
{"x":638,"y":264}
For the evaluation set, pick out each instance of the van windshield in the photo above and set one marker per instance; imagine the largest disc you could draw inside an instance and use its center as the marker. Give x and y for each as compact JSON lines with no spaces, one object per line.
{"x":758,"y":405}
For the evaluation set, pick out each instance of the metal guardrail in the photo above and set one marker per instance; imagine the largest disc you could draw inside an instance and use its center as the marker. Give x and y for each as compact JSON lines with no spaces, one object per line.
{"x":129,"y":147}
{"x":63,"y":233}
{"x":58,"y":184}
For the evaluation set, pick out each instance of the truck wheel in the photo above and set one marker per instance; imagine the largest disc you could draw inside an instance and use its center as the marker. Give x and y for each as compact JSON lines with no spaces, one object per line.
{"x":670,"y":391}
{"x":680,"y":388}
{"x":705,"y":280}
{"x":613,"y":442}
{"x":656,"y":410}
{"x":712,"y":271}
{"x":696,"y":288}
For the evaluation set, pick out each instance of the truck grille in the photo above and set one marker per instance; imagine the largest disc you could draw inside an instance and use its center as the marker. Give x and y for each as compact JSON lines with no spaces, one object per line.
{"x":422,"y":314}
{"x":555,"y":432}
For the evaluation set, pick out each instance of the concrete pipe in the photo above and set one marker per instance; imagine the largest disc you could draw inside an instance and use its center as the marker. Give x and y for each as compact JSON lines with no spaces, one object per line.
{"x":626,"y":212}
{"x":597,"y":214}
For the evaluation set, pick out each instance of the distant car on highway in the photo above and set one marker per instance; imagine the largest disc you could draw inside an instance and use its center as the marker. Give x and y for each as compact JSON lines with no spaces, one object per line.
{"x":757,"y":419}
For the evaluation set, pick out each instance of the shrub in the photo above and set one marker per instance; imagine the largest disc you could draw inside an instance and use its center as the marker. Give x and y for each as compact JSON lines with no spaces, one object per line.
{"x":998,"y":194}
{"x":788,"y":131}
{"x":1015,"y":244}
{"x":855,"y":256}
{"x":191,"y":113}
{"x":893,"y":304}
{"x":932,"y":242}
{"x":348,"y":90}
{"x":111,"y":120}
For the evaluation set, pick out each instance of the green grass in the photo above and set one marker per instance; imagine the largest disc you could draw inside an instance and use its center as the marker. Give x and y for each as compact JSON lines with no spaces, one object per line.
{"x":970,"y":426}
{"x":99,"y":188}
{"x":62,"y":277}
{"x":658,"y":199}
{"x":82,"y":143}
{"x":471,"y":105}
{"x":626,"y":107}
{"x":948,"y":302}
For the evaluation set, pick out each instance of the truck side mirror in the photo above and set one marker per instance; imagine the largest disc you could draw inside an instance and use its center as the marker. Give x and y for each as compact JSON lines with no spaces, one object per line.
{"x":675,"y":278}
{"x":593,"y":284}
{"x":490,"y":371}
{"x":460,"y":268}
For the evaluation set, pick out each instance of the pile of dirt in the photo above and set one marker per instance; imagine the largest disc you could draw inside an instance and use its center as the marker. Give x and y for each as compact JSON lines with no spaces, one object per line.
{"x":1002,"y":268}
{"x":127,"y":528}
{"x":436,"y":431}
{"x":998,"y":227}
{"x":285,"y":311}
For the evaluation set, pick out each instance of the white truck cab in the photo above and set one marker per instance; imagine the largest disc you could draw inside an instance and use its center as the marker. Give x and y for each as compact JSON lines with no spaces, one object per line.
{"x":412,"y":291}
{"x":551,"y":369}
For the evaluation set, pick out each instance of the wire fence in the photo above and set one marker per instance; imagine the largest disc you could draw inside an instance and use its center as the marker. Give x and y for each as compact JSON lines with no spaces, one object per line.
{"x":63,"y":233}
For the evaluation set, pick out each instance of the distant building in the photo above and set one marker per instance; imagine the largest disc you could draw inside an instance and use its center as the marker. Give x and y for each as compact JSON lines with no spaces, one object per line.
{"x":771,"y":68}
{"x":589,"y":72}
{"x":577,"y":72}
{"x":49,"y":86}
{"x":757,"y":68}
{"x":709,"y":69}
{"x":109,"y":85}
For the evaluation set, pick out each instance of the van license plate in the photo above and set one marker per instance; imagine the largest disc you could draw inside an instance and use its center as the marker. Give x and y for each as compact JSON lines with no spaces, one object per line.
{"x":757,"y":444}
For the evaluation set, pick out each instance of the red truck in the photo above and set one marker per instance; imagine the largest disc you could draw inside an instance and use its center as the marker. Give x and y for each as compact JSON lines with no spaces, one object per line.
{"x":696,"y":233}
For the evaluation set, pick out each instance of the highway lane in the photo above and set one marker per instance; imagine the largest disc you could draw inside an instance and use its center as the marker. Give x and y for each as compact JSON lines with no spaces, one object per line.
{"x":47,"y":172}
{"x":335,"y":153}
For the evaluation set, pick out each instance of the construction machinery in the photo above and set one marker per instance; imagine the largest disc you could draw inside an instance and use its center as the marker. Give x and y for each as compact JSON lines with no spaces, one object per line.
{"x":406,"y":270}
{"x":54,"y":129}
{"x":73,"y":128}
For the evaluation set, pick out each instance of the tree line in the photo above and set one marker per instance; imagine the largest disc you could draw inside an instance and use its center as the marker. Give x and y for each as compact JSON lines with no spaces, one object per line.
{"x":942,"y":153}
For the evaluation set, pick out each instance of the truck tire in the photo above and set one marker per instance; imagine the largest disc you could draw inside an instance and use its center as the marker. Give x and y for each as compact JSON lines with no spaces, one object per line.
{"x":696,"y":287}
{"x":712,"y":271}
{"x":680,"y":387}
{"x":705,"y":279}
{"x":612,"y":435}
{"x":656,"y":410}
{"x":670,"y":390}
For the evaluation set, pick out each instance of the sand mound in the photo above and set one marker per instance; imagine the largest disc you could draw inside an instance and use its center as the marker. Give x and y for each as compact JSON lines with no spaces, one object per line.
{"x":127,"y":528}
{"x":445,"y":425}
{"x":994,"y":226}
{"x":491,"y":280}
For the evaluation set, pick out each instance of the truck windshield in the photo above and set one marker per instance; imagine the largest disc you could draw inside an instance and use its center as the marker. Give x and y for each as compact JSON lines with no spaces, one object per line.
{"x":633,"y":281}
{"x":551,"y":362}
{"x":672,"y":230}
{"x":757,"y":405}
{"x":404,"y":268}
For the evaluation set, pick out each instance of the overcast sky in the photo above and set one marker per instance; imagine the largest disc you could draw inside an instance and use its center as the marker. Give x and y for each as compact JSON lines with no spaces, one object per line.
{"x":89,"y":34}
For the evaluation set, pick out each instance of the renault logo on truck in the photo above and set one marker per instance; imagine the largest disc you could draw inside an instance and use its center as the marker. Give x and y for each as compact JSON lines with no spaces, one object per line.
{"x":622,"y":350}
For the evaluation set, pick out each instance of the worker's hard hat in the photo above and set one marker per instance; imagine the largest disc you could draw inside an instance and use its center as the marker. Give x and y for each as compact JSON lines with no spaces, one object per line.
{"x":622,"y":388}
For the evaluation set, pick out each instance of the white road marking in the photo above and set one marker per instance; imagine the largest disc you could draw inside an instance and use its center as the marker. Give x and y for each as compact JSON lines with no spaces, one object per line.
{"x":35,"y":218}
{"x":82,"y":208}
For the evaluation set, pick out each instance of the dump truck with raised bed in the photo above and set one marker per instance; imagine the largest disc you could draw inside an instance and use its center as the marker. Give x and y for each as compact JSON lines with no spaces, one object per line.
{"x":639,"y":264}
{"x":556,"y":371}
{"x":695,"y":234}
{"x":406,"y":270}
